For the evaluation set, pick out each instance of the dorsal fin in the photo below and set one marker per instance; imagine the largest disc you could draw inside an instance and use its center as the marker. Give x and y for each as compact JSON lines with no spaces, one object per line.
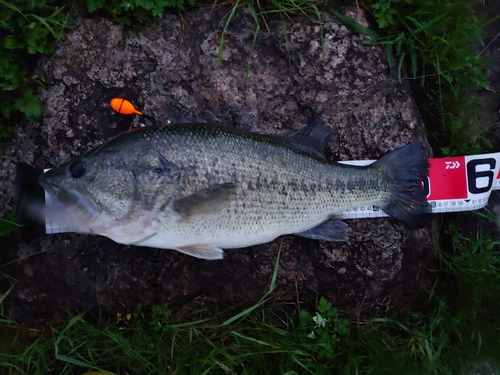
{"x":313,"y":138}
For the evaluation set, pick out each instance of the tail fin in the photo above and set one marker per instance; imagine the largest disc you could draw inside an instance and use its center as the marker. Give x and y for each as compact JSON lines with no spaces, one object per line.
{"x":406,"y":169}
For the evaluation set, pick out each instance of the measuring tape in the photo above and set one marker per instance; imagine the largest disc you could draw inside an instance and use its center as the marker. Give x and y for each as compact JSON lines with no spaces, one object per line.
{"x":455,"y":184}
{"x":461,"y":183}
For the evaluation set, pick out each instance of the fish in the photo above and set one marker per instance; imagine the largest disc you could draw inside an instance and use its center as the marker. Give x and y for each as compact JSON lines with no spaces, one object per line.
{"x":200,"y":188}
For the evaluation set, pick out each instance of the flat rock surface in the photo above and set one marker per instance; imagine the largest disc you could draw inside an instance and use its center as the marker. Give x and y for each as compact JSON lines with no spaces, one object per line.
{"x":187,"y":70}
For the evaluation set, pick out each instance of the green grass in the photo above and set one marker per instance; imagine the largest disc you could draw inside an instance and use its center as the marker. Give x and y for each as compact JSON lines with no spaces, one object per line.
{"x":27,"y":30}
{"x":438,"y":42}
{"x":128,"y":12}
{"x":8,"y":223}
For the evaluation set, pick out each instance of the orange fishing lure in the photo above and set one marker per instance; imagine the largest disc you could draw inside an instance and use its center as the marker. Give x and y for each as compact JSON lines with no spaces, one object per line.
{"x":124,"y":107}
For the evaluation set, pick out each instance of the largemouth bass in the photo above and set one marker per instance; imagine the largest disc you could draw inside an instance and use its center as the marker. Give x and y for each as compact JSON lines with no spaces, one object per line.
{"x":200,"y":188}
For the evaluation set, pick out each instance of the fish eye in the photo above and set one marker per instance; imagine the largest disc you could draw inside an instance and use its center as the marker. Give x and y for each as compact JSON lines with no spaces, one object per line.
{"x":78,"y":169}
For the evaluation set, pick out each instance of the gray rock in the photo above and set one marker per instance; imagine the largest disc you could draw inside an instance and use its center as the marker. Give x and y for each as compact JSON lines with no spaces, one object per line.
{"x":288,"y":77}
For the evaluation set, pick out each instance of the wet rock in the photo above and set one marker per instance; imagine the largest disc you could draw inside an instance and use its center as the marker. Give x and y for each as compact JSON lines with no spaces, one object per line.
{"x":178,"y":72}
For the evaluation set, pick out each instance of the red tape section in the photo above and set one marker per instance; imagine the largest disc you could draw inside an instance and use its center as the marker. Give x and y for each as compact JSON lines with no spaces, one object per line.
{"x":460,"y":183}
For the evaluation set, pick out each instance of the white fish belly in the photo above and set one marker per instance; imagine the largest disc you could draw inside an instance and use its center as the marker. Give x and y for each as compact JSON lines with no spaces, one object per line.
{"x":234,"y":226}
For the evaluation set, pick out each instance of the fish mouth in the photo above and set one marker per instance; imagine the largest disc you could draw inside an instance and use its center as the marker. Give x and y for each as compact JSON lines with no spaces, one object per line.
{"x":50,"y":186}
{"x":74,"y":202}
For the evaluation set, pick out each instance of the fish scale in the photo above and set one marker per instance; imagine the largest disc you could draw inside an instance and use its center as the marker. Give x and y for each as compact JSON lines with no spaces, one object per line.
{"x":299,"y":176}
{"x":199,"y":188}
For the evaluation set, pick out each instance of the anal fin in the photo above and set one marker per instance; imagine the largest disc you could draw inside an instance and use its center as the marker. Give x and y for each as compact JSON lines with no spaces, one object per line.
{"x":330,"y":230}
{"x":202,"y":251}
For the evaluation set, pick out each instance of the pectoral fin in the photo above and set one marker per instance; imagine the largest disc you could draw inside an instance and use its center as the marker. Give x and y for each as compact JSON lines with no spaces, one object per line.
{"x":205,"y":201}
{"x":210,"y":252}
{"x":330,"y":230}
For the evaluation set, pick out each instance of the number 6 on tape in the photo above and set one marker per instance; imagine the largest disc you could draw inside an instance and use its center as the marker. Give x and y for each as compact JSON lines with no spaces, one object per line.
{"x":462,"y":183}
